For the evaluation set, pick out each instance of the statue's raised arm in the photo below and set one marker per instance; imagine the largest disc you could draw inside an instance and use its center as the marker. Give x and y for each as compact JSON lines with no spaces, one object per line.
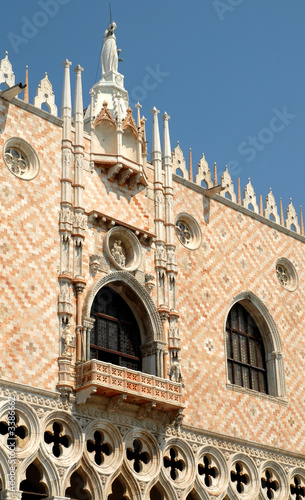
{"x":109,"y":57}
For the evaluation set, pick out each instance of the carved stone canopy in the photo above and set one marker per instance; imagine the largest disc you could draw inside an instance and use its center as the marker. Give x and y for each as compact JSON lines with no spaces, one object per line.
{"x":105,"y":116}
{"x":130,"y":123}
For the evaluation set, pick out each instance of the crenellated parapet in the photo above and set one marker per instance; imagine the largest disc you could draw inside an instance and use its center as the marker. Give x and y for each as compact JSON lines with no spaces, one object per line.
{"x":247,"y":200}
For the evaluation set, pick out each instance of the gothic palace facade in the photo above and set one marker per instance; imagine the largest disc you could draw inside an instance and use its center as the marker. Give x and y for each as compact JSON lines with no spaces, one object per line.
{"x":152,"y":323}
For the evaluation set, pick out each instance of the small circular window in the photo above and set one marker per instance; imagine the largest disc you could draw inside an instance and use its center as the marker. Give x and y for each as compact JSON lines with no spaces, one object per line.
{"x":21,"y":159}
{"x":286,"y":274}
{"x":188,"y":231}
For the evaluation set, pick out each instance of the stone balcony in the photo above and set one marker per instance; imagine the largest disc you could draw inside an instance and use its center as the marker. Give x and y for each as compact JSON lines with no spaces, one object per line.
{"x":97,"y":377}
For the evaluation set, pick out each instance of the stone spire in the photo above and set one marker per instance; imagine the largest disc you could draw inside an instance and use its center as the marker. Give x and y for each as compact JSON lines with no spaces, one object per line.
{"x":166,"y":145}
{"x":190,"y":165}
{"x":155,"y":143}
{"x":66,"y":107}
{"x":215,"y":174}
{"x":26,"y":90}
{"x":78,"y":106}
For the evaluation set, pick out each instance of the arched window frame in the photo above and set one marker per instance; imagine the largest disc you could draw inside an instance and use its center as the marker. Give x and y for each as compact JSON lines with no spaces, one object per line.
{"x":122,"y":340}
{"x":152,"y":342}
{"x":272,"y":344}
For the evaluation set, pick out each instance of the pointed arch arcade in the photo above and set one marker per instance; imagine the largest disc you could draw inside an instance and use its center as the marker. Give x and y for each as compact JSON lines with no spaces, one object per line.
{"x":144,"y":311}
{"x":273,"y":350}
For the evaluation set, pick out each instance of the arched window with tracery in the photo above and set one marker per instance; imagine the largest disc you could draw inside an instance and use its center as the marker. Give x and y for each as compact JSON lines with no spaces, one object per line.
{"x":115,"y":337}
{"x":245,"y":351}
{"x":33,"y":487}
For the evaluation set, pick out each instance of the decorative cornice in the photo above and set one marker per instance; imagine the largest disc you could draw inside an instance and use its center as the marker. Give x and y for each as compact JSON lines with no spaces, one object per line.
{"x":36,"y":111}
{"x":239,"y":208}
{"x":108,"y":221}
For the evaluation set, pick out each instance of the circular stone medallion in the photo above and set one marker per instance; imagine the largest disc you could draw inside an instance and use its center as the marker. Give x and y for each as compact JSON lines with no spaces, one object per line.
{"x":123,"y":249}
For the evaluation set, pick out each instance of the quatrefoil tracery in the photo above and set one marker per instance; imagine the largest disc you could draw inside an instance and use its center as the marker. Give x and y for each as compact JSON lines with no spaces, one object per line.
{"x":296,"y":489}
{"x":208,"y":471}
{"x":269,"y":484}
{"x":174,"y":464}
{"x":58,"y":439}
{"x":100,"y":447}
{"x":239,"y":478}
{"x":15,"y":431}
{"x":137,"y":455}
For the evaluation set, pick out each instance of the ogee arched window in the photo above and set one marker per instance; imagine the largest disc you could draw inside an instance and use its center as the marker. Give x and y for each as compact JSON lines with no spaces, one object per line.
{"x":245,"y":351}
{"x":115,"y":337}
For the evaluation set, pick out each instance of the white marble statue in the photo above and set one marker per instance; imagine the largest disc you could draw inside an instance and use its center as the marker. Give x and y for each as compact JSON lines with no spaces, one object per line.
{"x":109,"y":57}
{"x":118,"y":254}
{"x":68,"y":341}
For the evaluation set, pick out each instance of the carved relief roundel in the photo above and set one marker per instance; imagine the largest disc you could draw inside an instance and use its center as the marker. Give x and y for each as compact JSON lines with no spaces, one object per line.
{"x":123,"y":249}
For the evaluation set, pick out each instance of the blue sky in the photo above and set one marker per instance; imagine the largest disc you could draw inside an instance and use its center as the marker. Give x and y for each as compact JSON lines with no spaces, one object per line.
{"x":230,"y":73}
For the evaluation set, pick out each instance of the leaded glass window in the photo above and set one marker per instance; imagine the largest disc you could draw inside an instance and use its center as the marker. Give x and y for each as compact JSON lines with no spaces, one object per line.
{"x":115,"y":337}
{"x":245,"y":351}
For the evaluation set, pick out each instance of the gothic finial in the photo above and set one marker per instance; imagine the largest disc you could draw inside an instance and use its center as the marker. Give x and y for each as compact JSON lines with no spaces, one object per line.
{"x":138,"y":106}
